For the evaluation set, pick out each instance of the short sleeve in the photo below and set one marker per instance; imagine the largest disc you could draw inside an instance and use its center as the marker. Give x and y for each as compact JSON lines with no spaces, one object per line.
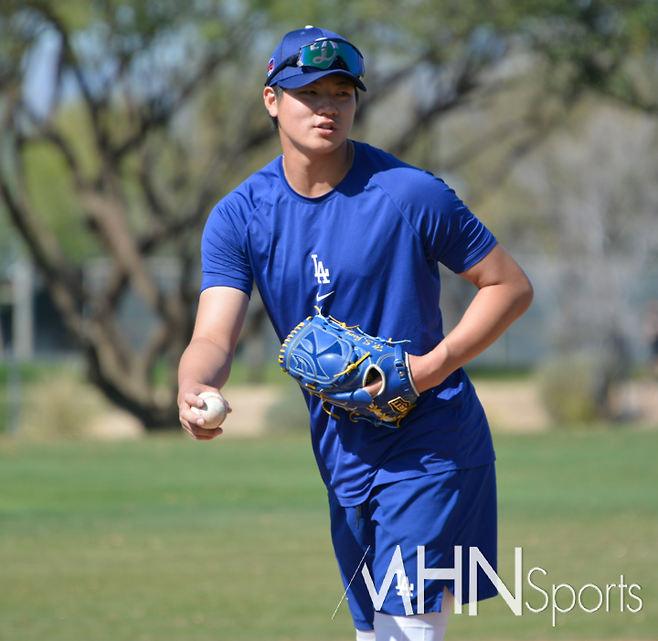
{"x":223,"y":250}
{"x":452,"y":235}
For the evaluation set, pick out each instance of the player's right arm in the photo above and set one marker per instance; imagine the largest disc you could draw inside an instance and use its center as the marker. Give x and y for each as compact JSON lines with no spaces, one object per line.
{"x":206,"y":363}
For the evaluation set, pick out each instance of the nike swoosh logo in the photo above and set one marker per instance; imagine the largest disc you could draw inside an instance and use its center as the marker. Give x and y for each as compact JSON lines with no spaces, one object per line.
{"x":318,"y":298}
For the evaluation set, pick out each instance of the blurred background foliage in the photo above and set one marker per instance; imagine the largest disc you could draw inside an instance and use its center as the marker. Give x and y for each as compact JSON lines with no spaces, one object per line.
{"x":123,"y":122}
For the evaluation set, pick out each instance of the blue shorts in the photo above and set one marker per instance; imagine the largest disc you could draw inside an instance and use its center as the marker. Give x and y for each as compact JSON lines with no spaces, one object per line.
{"x":438,"y":511}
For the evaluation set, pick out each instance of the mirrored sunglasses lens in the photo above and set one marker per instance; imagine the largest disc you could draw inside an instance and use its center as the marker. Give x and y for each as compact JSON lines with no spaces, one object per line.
{"x":327,"y":53}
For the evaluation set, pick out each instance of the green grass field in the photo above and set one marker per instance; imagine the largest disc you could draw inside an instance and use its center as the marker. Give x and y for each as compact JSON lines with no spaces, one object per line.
{"x":167,"y":539}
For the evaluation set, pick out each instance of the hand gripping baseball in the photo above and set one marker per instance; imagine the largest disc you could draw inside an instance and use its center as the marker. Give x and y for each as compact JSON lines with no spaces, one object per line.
{"x":335,"y":362}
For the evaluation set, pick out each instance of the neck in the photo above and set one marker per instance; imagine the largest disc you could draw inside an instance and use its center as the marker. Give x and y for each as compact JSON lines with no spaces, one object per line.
{"x":314,"y":176}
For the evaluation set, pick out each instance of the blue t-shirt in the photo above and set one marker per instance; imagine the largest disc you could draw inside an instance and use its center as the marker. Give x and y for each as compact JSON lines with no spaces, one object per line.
{"x":367,"y":253}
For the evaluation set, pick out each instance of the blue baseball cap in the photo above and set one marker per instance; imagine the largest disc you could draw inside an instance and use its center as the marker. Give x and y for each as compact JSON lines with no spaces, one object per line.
{"x":306,"y":55}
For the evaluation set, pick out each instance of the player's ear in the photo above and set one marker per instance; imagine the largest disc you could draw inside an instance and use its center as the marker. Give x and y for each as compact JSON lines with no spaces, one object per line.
{"x":271,"y":104}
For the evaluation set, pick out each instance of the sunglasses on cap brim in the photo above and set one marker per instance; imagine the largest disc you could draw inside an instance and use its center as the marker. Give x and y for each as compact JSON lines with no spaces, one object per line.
{"x":325,"y":55}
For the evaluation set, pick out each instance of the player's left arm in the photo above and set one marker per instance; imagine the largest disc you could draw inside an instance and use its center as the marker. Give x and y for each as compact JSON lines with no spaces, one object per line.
{"x":505,"y":293}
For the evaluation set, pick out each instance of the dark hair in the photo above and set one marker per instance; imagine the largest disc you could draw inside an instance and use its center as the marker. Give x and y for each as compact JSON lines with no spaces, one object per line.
{"x":278,"y":92}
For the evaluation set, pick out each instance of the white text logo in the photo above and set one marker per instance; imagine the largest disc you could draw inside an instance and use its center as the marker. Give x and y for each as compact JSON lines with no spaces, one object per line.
{"x":321,"y":273}
{"x":621,"y":593}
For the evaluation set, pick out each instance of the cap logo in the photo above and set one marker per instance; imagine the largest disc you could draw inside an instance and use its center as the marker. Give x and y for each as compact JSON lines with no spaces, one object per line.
{"x":270,"y":67}
{"x":325,"y":54}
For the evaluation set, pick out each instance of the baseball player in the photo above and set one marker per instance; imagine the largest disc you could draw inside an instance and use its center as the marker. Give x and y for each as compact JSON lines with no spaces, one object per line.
{"x":341,"y":226}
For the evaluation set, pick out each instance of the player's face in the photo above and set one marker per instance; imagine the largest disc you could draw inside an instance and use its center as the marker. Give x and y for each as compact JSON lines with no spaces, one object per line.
{"x":317,"y":118}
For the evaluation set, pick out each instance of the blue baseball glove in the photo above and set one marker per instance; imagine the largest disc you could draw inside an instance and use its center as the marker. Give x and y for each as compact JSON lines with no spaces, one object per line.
{"x":334,"y":361}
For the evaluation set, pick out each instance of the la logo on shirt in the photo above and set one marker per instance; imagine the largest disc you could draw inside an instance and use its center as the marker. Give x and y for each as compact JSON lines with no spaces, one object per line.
{"x":321,"y":273}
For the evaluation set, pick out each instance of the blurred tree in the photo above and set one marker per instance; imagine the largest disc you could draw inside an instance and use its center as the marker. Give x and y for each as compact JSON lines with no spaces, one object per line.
{"x":123,"y":121}
{"x":99,"y":158}
{"x":596,"y":188}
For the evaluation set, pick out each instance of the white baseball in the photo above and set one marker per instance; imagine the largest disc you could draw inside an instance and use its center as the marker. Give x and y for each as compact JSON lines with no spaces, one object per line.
{"x":214,"y":409}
